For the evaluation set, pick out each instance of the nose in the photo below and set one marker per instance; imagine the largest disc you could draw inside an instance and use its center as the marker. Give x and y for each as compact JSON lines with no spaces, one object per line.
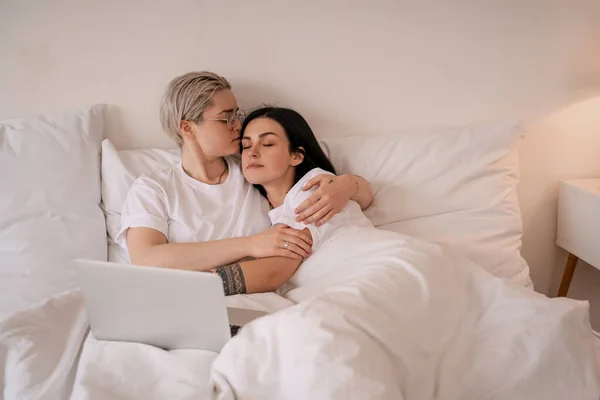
{"x":253,"y":153}
{"x":237,"y":125}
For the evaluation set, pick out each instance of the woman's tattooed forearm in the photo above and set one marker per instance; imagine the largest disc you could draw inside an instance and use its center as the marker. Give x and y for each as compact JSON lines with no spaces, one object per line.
{"x":233,"y":279}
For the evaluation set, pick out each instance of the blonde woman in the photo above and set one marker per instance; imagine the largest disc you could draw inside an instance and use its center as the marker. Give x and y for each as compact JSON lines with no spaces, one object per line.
{"x":202,"y":214}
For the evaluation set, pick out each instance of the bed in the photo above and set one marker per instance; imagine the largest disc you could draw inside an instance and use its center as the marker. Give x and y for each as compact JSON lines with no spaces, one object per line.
{"x":450,"y":191}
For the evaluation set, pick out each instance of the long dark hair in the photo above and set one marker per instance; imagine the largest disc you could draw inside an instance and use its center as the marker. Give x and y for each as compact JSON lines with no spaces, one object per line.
{"x":299,"y":135}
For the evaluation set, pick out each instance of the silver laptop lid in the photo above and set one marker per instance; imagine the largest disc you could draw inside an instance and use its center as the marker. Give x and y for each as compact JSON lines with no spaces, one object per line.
{"x":167,"y":308}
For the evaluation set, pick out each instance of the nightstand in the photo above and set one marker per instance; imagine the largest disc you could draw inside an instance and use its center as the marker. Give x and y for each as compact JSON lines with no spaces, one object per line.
{"x":578,"y":225}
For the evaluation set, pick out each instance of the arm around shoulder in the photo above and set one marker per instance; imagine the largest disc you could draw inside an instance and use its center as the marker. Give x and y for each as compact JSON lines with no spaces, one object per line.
{"x":361,"y":191}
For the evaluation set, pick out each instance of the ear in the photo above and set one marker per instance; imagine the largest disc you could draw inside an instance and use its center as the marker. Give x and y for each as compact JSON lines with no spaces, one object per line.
{"x":297,"y":156}
{"x":186,"y":129}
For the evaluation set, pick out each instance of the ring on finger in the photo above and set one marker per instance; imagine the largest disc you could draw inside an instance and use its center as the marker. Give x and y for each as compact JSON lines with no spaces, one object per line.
{"x":285,"y":245}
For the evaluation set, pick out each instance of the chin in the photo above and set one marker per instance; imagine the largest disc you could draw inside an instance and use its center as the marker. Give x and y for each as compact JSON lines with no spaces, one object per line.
{"x":254,"y":180}
{"x":255,"y":177}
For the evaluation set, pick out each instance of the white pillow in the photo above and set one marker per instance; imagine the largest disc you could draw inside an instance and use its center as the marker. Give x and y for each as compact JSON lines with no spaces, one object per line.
{"x":49,"y":203}
{"x":452,"y":186}
{"x":119,"y":170}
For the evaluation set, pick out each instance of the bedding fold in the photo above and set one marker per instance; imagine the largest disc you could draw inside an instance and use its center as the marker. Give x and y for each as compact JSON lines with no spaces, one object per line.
{"x":383,"y":316}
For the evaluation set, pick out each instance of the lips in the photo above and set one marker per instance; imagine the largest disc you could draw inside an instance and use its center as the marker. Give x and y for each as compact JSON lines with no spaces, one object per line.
{"x":254,"y":166}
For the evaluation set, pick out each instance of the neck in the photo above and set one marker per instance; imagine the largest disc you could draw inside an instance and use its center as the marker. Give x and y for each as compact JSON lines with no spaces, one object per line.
{"x":202,"y":168}
{"x":278,"y":189}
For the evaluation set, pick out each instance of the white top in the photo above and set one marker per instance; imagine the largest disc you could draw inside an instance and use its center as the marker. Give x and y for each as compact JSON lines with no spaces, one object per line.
{"x":350,"y":216}
{"x":186,"y":210}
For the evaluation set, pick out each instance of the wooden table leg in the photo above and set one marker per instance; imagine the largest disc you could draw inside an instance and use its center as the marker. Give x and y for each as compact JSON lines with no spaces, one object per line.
{"x":567,"y":275}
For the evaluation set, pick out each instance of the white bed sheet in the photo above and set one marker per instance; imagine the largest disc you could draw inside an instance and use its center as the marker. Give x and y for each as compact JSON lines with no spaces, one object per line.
{"x":411,"y":321}
{"x":442,"y":330}
{"x":33,"y":381}
{"x":41,"y":347}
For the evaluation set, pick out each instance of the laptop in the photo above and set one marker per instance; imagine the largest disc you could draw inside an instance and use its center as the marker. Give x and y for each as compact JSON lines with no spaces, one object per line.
{"x":166,"y":308}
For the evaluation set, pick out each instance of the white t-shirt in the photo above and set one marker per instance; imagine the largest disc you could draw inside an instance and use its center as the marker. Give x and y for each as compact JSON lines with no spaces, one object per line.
{"x":186,"y":210}
{"x":349,"y":217}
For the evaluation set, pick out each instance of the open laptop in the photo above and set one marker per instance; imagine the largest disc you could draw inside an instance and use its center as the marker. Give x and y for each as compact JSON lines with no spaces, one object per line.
{"x":167,"y":308}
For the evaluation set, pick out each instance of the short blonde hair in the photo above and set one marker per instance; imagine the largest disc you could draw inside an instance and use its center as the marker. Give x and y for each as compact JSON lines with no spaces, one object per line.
{"x":186,"y":98}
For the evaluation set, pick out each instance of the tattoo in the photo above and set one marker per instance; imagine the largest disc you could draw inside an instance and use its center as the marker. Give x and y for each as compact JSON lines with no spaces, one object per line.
{"x":233,"y":279}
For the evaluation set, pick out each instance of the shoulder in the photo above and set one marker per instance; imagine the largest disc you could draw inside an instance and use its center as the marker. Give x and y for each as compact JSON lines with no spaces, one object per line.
{"x":154,"y":184}
{"x":307,"y":177}
{"x":311,"y":174}
{"x":296,"y":195}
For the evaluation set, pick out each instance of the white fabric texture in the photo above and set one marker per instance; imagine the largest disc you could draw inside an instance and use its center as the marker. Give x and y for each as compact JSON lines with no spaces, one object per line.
{"x":41,"y":348}
{"x":119,"y":170}
{"x":49,"y":203}
{"x":184,"y":209}
{"x":349,"y":217}
{"x":399,"y":319}
{"x":452,"y":186}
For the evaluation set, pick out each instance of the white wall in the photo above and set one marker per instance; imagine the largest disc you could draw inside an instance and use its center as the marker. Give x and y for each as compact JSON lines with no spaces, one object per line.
{"x":562,"y":145}
{"x":349,"y":66}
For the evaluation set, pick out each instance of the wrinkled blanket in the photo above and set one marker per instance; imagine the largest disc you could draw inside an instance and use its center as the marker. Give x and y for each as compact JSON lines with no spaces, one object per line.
{"x":379,"y":316}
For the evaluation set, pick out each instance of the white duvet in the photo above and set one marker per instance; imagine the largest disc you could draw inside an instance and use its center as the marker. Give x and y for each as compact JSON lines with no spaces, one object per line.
{"x":380,"y":316}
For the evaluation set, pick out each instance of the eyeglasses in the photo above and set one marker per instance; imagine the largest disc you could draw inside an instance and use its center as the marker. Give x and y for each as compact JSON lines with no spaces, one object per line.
{"x":231,"y":119}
